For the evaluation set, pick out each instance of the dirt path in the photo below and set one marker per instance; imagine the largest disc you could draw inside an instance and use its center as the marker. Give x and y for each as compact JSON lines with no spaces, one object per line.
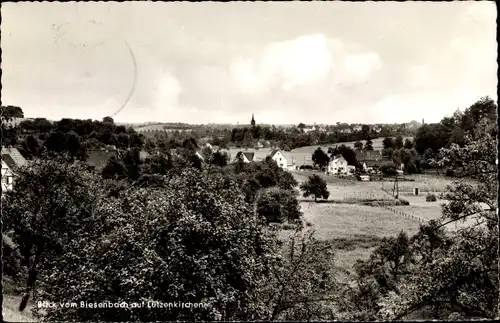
{"x":11,"y":312}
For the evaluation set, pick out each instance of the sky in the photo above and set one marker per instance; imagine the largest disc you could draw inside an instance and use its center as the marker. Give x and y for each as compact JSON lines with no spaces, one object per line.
{"x":323,"y":62}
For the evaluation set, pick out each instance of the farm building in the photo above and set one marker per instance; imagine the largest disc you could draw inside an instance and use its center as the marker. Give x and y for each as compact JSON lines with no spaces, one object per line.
{"x":372,"y":160}
{"x":279,"y":158}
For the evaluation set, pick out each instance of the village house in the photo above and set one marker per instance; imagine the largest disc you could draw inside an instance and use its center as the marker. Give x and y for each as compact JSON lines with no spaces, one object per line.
{"x":346,"y":130}
{"x":372,"y":160}
{"x":309,"y":129}
{"x":11,"y":160}
{"x":338,"y":166}
{"x":358,"y":128}
{"x":279,"y":158}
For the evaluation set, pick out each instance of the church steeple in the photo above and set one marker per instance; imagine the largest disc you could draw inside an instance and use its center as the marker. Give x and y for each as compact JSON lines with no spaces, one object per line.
{"x":253,"y":121}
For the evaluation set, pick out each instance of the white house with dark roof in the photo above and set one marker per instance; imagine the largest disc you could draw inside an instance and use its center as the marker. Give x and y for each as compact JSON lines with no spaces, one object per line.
{"x":338,"y":165}
{"x":279,"y":158}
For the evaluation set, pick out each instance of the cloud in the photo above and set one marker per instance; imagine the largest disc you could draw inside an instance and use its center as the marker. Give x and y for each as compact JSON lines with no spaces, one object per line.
{"x":358,"y":67}
{"x":168,"y":91}
{"x":293,"y":63}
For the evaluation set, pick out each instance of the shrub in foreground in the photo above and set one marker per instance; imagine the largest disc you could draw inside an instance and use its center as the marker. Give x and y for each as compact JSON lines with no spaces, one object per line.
{"x":431,"y":197}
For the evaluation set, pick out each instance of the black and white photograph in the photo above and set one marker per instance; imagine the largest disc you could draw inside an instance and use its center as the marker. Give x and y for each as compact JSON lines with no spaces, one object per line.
{"x":249,"y":161}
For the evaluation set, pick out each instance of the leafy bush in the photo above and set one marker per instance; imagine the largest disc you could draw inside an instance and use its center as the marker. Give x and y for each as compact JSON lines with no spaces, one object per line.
{"x":388,"y":170}
{"x":403,"y":201}
{"x":278,"y":205}
{"x":431,"y":197}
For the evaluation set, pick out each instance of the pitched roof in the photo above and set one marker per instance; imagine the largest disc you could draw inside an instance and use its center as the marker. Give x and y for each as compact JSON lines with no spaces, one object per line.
{"x":7,"y":159}
{"x":379,"y":163}
{"x":274,"y":152}
{"x":15,"y":155}
{"x":249,"y":155}
{"x":368,"y":155}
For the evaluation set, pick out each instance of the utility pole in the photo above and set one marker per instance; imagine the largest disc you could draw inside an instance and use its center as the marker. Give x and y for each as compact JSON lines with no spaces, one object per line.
{"x":396,"y":187}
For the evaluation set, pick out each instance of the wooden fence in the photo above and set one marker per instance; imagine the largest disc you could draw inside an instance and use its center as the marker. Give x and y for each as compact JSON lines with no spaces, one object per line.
{"x":406,"y":215}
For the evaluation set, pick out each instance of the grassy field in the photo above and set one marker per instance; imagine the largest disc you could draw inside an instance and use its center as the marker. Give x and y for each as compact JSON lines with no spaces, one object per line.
{"x":356,"y":229}
{"x":425,"y":183}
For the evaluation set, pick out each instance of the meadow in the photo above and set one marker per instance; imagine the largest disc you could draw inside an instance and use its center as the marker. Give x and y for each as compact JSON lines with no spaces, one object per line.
{"x":354,"y":229}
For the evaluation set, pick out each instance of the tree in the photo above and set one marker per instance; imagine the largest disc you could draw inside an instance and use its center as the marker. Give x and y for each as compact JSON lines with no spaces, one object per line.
{"x":190,"y":144}
{"x":408,"y":144}
{"x":365,"y":131}
{"x":368,"y":145}
{"x":434,"y":136}
{"x":320,"y":158}
{"x":303,"y":285}
{"x":108,"y":120}
{"x":248,"y":139}
{"x":220,"y":158}
{"x":378,"y":276}
{"x":358,"y":145}
{"x":315,"y":186}
{"x":207,"y":154}
{"x":65,"y":143}
{"x":9,"y":113}
{"x":131,"y":159}
{"x":277,"y":205}
{"x":114,"y":169}
{"x":30,"y":147}
{"x":301,"y":126}
{"x":44,"y":210}
{"x":388,"y":142}
{"x":388,"y":170}
{"x":398,"y":143}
